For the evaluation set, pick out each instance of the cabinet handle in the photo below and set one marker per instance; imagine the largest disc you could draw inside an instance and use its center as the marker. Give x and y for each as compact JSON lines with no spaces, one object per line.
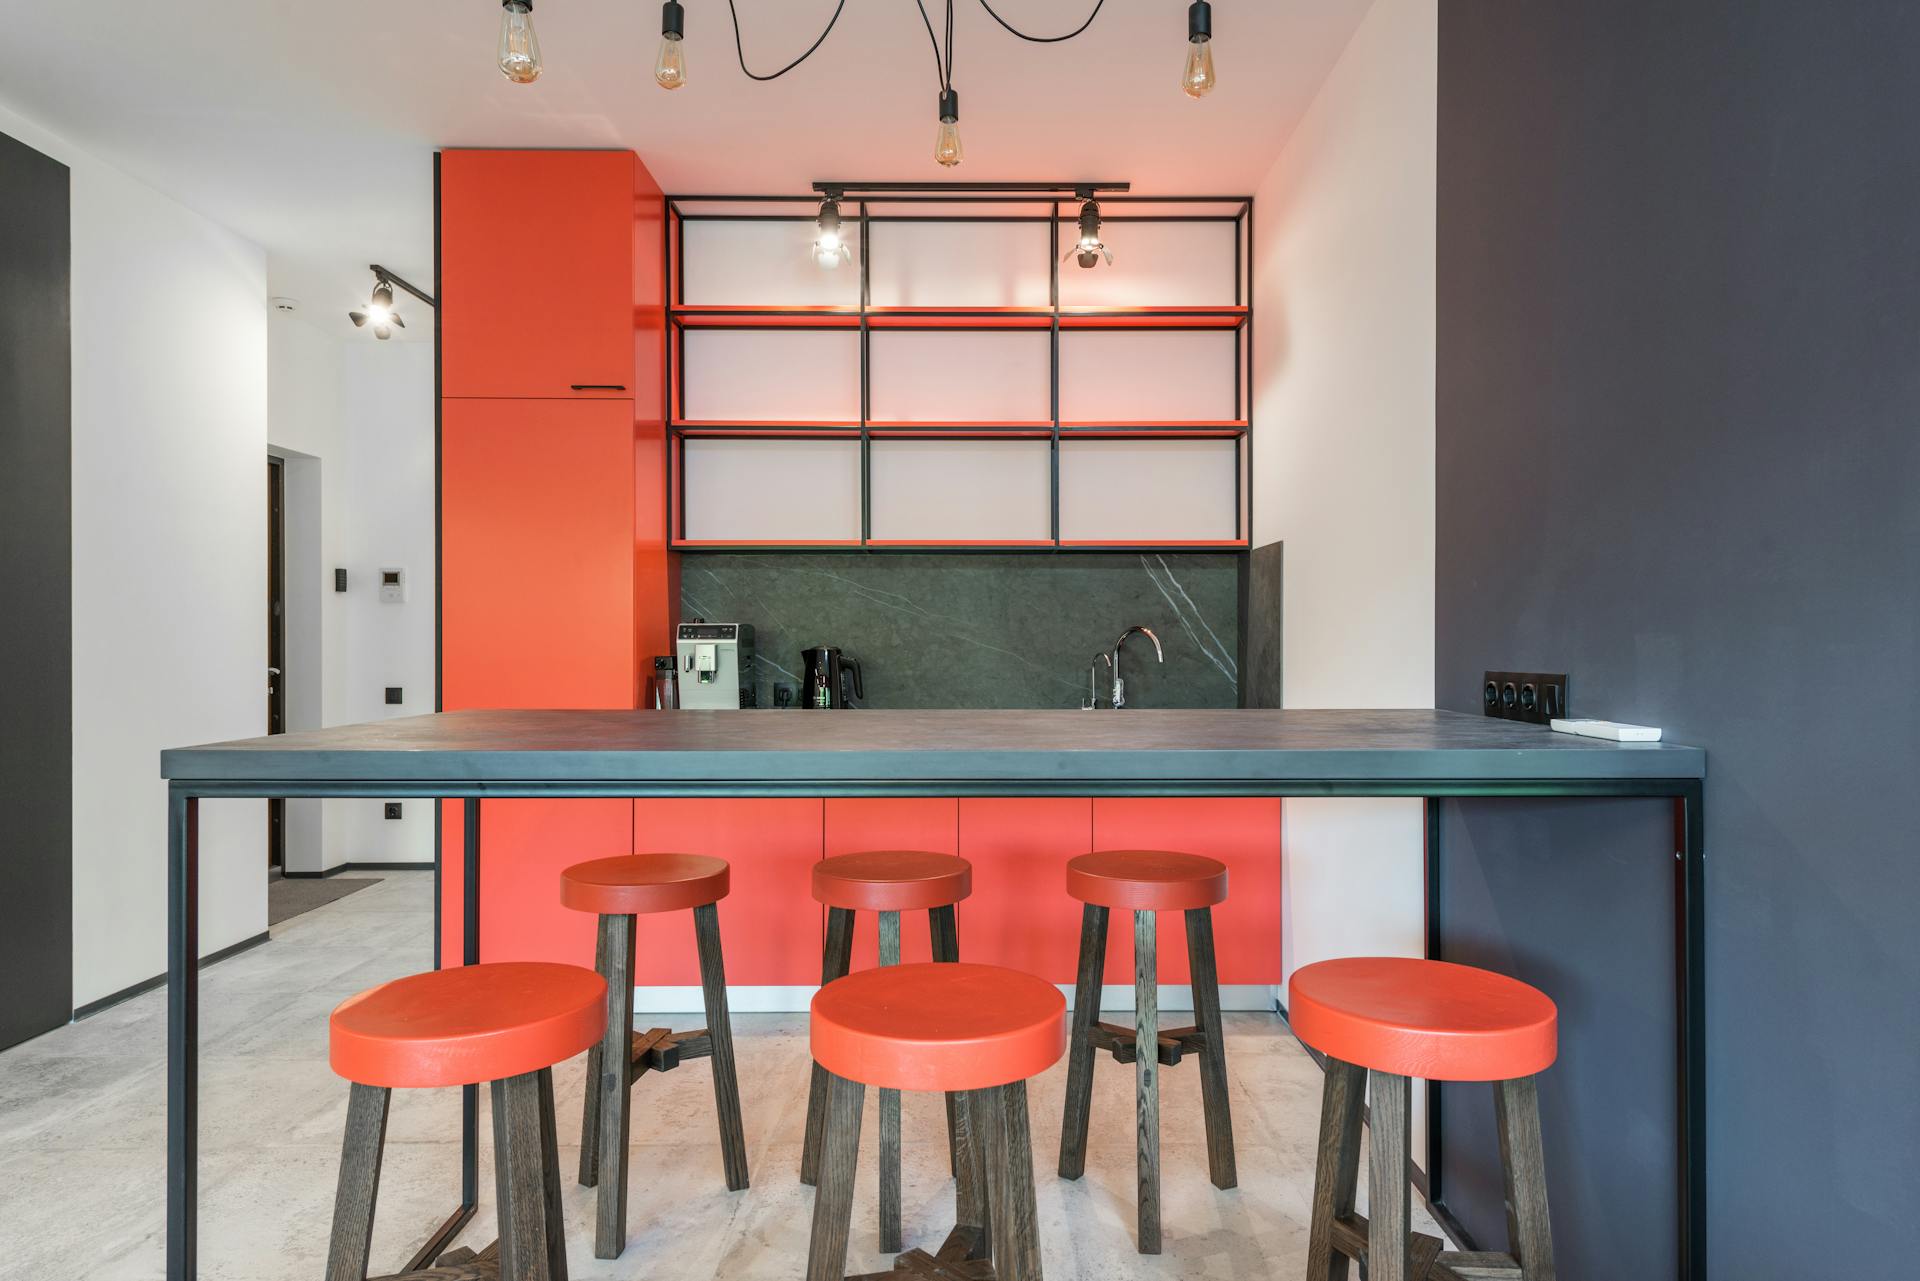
{"x":599,"y":386}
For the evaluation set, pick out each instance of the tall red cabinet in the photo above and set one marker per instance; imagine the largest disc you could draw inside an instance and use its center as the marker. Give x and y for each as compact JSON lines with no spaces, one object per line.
{"x":555,"y":578}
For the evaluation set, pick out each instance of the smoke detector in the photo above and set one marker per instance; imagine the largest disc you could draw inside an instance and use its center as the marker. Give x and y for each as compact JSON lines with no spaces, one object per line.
{"x":284,"y":304}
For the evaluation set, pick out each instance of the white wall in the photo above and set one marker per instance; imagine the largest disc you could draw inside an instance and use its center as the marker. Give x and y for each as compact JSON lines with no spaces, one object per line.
{"x":169,"y":557}
{"x":1344,"y":459}
{"x":355,"y":420}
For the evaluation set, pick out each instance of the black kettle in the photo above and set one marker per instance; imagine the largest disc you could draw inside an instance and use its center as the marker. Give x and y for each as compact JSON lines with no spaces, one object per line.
{"x":831,"y":680}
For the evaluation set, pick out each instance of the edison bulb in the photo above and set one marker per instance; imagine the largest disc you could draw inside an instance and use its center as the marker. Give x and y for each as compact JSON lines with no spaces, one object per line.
{"x":946,"y":144}
{"x":519,"y":47}
{"x":1197,"y":81}
{"x":670,"y":68}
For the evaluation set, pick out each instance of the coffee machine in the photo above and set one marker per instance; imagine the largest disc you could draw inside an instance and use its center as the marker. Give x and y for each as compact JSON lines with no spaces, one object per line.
{"x":832,"y":679}
{"x":716,"y":665}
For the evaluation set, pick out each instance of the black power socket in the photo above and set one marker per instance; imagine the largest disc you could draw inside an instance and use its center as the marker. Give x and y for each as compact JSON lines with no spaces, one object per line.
{"x":1534,"y":697}
{"x":393,"y":809}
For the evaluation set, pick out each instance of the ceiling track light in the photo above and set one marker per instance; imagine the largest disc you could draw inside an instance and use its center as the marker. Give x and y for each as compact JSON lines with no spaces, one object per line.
{"x":830,"y":247}
{"x":519,"y":47}
{"x":1089,"y":249}
{"x":1196,"y":80}
{"x":670,"y":65}
{"x":379,"y":313}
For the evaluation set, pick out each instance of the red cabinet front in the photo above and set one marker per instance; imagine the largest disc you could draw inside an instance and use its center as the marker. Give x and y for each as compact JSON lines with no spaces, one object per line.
{"x":920,"y":823}
{"x":537,"y":273}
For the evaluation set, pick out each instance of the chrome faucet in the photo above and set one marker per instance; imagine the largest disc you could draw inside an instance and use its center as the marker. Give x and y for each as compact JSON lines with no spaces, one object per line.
{"x":1093,"y":682}
{"x":1119,"y":685}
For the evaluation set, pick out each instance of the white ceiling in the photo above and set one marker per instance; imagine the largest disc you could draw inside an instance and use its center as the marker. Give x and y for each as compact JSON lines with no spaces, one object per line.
{"x":309,"y":125}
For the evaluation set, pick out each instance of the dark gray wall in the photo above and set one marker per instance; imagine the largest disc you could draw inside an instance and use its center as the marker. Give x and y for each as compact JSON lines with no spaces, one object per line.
{"x":983,"y":630}
{"x":1679,"y":458}
{"x":36,"y":611}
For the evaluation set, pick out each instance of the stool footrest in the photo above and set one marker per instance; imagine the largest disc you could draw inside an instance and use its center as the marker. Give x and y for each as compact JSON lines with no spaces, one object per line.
{"x":1464,"y":1265}
{"x":457,"y":1265}
{"x":1423,"y":1250}
{"x":1174,"y":1042}
{"x":955,"y":1261}
{"x":661,"y":1049}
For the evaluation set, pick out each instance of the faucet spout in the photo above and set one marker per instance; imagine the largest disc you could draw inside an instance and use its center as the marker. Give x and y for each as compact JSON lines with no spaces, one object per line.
{"x":1120,"y":685}
{"x":1093,"y":682}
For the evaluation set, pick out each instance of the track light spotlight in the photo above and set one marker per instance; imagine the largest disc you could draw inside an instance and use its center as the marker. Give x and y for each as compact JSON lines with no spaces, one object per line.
{"x":670,"y":67}
{"x":1197,"y":79}
{"x":379,"y":313}
{"x":519,"y":47}
{"x":946,"y":143}
{"x":1089,"y":249}
{"x":830,"y":247}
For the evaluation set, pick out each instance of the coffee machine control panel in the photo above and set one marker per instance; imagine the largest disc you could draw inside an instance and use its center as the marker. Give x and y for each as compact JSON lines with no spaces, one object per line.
{"x":716,"y":665}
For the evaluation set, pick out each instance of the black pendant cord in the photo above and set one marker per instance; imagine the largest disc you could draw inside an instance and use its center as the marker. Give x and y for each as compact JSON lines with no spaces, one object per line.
{"x":942,"y":68}
{"x":1044,"y":39}
{"x":741,"y":53}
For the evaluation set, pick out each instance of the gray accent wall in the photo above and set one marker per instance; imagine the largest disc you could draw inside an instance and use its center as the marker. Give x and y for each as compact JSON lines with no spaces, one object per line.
{"x":36,"y":596}
{"x":1678,"y":417}
{"x":975,"y":630}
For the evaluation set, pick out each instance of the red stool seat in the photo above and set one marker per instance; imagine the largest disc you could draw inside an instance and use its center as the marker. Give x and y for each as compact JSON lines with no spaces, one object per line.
{"x":639,"y":884}
{"x":892,"y":880}
{"x":467,"y":1025}
{"x":938,"y":1025}
{"x":1429,"y":1019}
{"x":1147,"y":880}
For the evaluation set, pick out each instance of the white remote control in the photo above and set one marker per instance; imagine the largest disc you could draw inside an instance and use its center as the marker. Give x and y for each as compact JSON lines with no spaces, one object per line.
{"x":1613,"y":730}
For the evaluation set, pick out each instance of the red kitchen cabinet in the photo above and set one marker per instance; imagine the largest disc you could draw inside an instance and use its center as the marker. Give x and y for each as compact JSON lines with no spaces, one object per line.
{"x":771,"y":930}
{"x":919,"y":823}
{"x":524,"y":846}
{"x":1243,"y":833}
{"x":1019,"y":914}
{"x":537,"y":272}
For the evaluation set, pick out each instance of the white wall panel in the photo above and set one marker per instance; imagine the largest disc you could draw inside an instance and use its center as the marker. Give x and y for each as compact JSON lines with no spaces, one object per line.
{"x":775,"y":375}
{"x":961,"y":489}
{"x":767,"y":264}
{"x":959,"y":377}
{"x":1146,"y":375}
{"x":1155,"y":264}
{"x":1146,"y":490}
{"x":772,"y":490}
{"x":958,"y":264}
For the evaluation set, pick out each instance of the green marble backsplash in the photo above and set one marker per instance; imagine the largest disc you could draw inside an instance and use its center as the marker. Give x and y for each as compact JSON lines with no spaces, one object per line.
{"x":983,"y":630}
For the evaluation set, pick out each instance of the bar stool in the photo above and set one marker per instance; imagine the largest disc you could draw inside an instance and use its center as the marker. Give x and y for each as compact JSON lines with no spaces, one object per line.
{"x":888,"y":882}
{"x":1399,"y":1018}
{"x":507,"y":1023}
{"x":977,"y":1032}
{"x":618,"y":890}
{"x":1145,"y":882}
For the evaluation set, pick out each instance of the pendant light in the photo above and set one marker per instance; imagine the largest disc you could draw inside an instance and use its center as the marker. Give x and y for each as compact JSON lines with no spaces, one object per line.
{"x":519,"y":47}
{"x":830,"y":247}
{"x":946,"y":141}
{"x":670,"y":67}
{"x":1089,"y":249}
{"x":1197,"y":79}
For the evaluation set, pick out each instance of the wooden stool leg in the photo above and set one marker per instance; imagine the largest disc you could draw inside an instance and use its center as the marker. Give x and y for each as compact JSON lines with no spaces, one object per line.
{"x":1336,"y":1174}
{"x":833,"y":1202}
{"x":945,"y":932}
{"x":1016,"y":1240}
{"x":519,"y":1177}
{"x":834,"y":962}
{"x":1389,"y":1195}
{"x":890,"y":1115}
{"x":972,"y":1203}
{"x":1524,"y":1168}
{"x":615,"y":1085}
{"x":590,"y":1110}
{"x":555,"y":1212}
{"x":359,"y":1186}
{"x":1213,"y":1059}
{"x":726,"y":1084}
{"x":1146,"y":1079}
{"x":1086,"y":1012}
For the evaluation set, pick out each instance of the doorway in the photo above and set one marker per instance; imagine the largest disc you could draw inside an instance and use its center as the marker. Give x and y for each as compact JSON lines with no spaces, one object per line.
{"x":276,"y":644}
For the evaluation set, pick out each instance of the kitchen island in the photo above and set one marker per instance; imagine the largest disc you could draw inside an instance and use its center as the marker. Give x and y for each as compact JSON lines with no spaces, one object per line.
{"x":468,"y":756}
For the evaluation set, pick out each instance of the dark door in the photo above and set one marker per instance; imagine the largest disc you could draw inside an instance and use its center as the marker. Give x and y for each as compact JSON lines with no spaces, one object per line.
{"x":36,"y":582}
{"x":276,"y":643}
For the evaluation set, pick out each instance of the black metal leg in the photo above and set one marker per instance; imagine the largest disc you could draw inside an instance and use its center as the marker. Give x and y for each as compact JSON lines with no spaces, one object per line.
{"x":183,"y":1033}
{"x":1432,"y":951}
{"x":1689,"y":920}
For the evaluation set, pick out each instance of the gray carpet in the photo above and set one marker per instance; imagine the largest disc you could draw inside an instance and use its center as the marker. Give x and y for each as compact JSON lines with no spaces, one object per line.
{"x":289,"y":898}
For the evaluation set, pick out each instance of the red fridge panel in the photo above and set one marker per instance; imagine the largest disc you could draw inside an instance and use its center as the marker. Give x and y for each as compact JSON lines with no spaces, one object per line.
{"x":1020,"y":915}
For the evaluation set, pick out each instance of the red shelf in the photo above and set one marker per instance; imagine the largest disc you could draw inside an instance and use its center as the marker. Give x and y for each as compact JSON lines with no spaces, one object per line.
{"x":1110,"y":429}
{"x":685,"y":543}
{"x":936,"y":543}
{"x":745,"y":430}
{"x":1138,"y":544}
{"x":1038,"y":318}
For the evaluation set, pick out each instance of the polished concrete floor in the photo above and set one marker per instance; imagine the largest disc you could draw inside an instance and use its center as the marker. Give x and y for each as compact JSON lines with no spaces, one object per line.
{"x":83,"y":1126}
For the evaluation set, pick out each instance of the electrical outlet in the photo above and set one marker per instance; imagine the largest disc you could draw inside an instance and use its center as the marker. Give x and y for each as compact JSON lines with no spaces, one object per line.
{"x":1535,"y":697}
{"x":393,"y":694}
{"x":393,"y":809}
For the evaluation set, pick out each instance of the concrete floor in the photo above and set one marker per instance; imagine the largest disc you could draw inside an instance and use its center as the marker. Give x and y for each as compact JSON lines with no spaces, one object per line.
{"x":83,"y":1133}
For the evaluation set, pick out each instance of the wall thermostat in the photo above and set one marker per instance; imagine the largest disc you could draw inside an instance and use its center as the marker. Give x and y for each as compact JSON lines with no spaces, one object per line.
{"x":393,"y":586}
